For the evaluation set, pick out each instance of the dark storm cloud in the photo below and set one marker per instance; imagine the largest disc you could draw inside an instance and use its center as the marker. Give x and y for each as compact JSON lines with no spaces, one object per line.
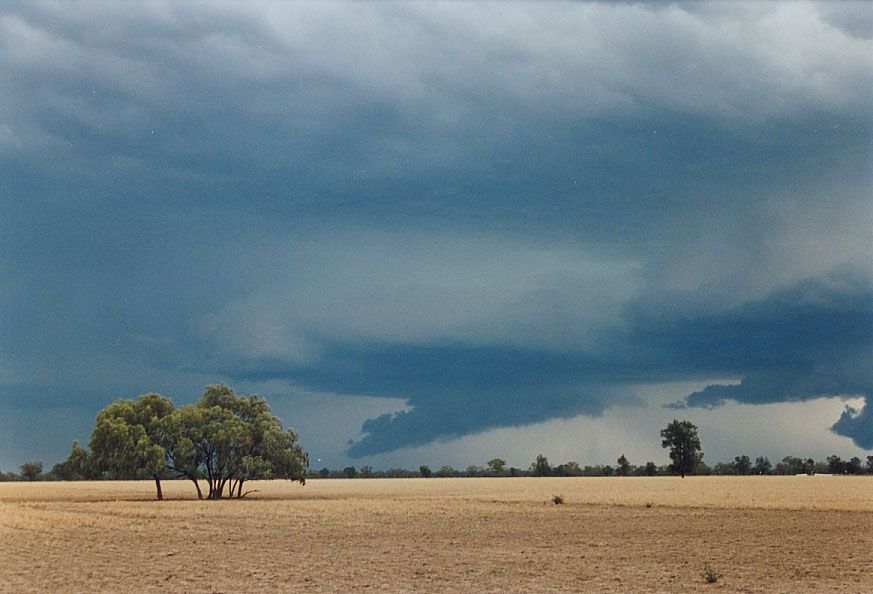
{"x":809,"y":340}
{"x":857,"y":425}
{"x":499,"y":213}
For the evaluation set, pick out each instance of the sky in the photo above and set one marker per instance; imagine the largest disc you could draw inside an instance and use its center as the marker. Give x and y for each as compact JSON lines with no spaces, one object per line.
{"x":436,"y":233}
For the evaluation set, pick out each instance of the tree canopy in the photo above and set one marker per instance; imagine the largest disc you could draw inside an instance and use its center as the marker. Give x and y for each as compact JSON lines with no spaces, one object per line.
{"x":682,"y":439}
{"x":124,"y":443}
{"x":541,"y":466}
{"x":224,"y":439}
{"x":31,"y":470}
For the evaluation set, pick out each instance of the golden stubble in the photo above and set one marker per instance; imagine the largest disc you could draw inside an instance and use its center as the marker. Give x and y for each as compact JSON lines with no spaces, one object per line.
{"x":762,"y":534}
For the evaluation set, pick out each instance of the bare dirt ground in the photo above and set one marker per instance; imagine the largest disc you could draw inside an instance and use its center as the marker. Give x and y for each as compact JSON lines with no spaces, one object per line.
{"x":762,"y":534}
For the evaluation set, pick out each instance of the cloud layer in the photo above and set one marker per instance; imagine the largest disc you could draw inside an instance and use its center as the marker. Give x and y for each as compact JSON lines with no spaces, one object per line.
{"x":499,"y":214}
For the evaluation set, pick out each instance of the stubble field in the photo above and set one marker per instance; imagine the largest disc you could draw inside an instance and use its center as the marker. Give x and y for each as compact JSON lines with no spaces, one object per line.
{"x":762,"y":534}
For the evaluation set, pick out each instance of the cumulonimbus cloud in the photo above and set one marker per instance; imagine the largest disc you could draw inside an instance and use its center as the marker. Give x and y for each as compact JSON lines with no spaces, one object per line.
{"x":497,"y":213}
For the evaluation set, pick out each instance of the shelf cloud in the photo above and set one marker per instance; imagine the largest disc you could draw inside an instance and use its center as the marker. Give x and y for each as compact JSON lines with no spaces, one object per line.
{"x":498,"y":213}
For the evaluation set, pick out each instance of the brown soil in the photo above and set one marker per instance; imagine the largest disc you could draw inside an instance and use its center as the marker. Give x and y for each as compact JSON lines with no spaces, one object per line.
{"x":762,"y":534}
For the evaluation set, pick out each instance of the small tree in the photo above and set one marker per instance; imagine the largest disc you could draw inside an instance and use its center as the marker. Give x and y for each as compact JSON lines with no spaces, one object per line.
{"x":541,"y":466}
{"x":836,"y":465}
{"x":681,"y":437}
{"x":743,"y":465}
{"x":762,"y":465}
{"x":445,"y":471}
{"x":350,"y":472}
{"x":650,"y":469}
{"x":425,"y":471}
{"x":31,"y":470}
{"x":497,"y":466}
{"x":623,"y":466}
{"x":473,"y":470}
{"x":76,"y":467}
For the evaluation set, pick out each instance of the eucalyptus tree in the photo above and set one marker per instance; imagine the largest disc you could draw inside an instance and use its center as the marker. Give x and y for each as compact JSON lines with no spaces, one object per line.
{"x":228,"y":440}
{"x":224,"y":439}
{"x":126,"y":439}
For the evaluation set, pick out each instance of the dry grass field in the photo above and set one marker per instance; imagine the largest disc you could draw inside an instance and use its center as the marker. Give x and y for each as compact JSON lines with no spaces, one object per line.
{"x":762,"y":534}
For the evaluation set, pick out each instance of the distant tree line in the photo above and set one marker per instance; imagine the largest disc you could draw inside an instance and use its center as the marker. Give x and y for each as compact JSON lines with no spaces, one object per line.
{"x":226,"y":440}
{"x":741,"y":465}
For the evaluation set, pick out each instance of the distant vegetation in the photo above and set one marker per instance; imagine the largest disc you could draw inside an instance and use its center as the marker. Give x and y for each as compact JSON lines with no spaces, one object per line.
{"x":226,"y":440}
{"x":790,"y":465}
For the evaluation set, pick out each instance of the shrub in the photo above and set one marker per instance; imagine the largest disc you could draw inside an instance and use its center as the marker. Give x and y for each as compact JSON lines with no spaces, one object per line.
{"x":710,"y":576}
{"x":558,"y":499}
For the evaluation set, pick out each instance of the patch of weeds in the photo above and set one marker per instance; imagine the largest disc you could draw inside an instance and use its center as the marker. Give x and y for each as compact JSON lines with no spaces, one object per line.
{"x":710,"y":576}
{"x":650,"y":503}
{"x":558,"y":499}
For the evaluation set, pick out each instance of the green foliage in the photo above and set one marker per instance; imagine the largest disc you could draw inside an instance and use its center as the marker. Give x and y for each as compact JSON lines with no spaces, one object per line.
{"x":791,"y":465}
{"x":31,"y":470}
{"x":682,"y":439}
{"x":568,"y":469}
{"x":650,"y":469}
{"x":541,"y":466}
{"x":837,"y":465}
{"x":710,"y":576}
{"x":474,"y":470}
{"x":446,"y":471}
{"x":623,"y":466}
{"x":76,"y":467}
{"x":125,"y":443}
{"x":350,"y":472}
{"x":225,"y":439}
{"x":425,"y":471}
{"x":497,"y":466}
{"x":743,"y":465}
{"x":232,"y":439}
{"x":762,"y":465}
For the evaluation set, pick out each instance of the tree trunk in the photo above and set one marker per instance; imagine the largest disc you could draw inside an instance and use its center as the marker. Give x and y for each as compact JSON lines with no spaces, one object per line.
{"x":239,"y":489}
{"x":158,"y":486}
{"x":197,"y":484}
